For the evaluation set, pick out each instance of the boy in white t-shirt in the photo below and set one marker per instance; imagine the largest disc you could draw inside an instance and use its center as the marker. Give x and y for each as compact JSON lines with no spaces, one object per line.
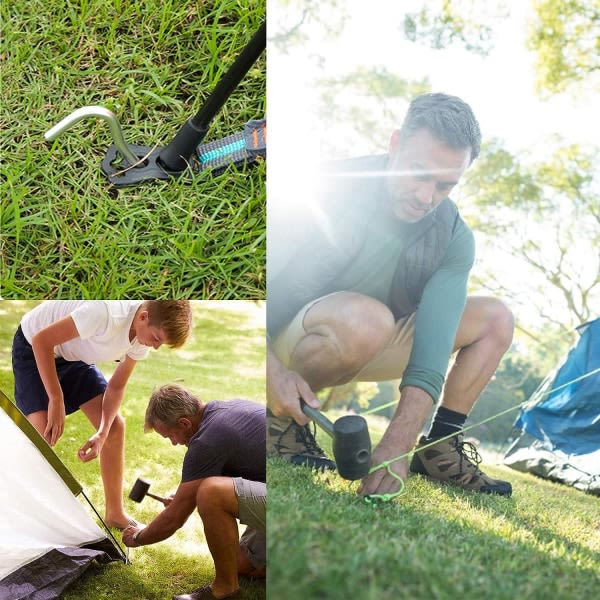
{"x":54,"y":354}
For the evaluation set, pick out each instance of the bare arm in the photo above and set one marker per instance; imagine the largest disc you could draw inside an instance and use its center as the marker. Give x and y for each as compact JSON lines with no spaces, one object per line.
{"x":169,"y":520}
{"x":284,"y":390}
{"x":43,"y":344}
{"x":113,"y":396}
{"x":399,"y":438}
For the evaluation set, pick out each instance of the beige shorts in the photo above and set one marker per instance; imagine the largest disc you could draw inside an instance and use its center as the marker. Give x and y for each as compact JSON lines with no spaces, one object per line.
{"x":389,"y":364}
{"x":252,"y":501}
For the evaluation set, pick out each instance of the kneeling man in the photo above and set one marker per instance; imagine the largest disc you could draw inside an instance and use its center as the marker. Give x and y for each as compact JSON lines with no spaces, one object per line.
{"x":224,"y":478}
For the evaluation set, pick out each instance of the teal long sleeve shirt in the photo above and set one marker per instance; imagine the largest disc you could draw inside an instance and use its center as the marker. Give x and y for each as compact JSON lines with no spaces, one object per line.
{"x":353,"y":244}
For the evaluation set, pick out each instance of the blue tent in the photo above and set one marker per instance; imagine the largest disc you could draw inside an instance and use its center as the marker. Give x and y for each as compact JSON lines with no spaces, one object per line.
{"x":559,"y":436}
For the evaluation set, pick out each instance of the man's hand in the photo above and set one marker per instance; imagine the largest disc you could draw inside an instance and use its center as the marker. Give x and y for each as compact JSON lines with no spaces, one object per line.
{"x":412,"y":412}
{"x":128,"y":534}
{"x":284,"y":390}
{"x":381,"y":481}
{"x":91,"y":449}
{"x":167,"y":500}
{"x":56,"y":420}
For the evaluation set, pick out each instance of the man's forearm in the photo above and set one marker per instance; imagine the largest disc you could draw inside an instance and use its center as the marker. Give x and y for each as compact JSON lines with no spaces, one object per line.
{"x":398,"y":440}
{"x":411,"y":414}
{"x":161,"y":528}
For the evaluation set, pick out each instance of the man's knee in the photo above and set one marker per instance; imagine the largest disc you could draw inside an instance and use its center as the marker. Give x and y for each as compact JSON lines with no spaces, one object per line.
{"x":497,"y":321}
{"x":215,"y":493}
{"x":358,"y":325}
{"x":486,"y":319}
{"x":501,"y":322}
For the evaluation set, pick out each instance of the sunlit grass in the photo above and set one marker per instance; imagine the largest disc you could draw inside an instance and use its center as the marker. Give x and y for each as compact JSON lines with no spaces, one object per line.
{"x":224,"y":359}
{"x":65,"y":233}
{"x":434,"y":541}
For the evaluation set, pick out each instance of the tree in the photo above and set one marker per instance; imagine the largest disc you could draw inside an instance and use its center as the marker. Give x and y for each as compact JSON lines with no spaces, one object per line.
{"x":544,"y":219}
{"x":446,"y":22}
{"x":517,"y":378}
{"x":292,"y":18}
{"x":363,"y":395}
{"x":565,"y":34}
{"x":349,"y":100}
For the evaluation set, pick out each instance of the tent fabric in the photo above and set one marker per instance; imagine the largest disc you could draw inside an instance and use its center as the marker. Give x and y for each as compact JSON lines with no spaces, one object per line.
{"x":29,"y":430}
{"x":46,"y":577}
{"x":47,"y":537}
{"x":559,"y":427}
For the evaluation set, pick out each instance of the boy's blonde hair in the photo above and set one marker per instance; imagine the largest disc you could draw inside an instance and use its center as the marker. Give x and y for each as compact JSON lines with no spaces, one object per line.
{"x":174,"y":317}
{"x":168,"y":404}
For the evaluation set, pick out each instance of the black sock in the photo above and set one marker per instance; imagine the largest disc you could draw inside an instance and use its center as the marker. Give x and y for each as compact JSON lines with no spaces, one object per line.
{"x":446,"y":422}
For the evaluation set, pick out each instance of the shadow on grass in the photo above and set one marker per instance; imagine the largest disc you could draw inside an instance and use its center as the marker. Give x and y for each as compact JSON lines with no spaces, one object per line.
{"x":175,"y":573}
{"x":434,"y":542}
{"x":227,"y":345}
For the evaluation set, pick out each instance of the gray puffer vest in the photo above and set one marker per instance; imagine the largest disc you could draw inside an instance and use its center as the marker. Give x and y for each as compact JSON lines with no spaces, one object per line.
{"x":421,"y":257}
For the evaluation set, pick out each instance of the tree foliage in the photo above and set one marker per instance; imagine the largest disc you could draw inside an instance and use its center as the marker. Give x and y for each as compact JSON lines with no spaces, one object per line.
{"x":367,"y":98}
{"x":565,"y":35}
{"x":543,"y":218}
{"x":446,"y":22}
{"x":293,"y":18}
{"x":516,"y":379}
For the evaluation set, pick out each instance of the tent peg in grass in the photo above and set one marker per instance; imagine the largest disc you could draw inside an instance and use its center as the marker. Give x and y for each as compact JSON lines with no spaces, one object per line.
{"x":186,"y":155}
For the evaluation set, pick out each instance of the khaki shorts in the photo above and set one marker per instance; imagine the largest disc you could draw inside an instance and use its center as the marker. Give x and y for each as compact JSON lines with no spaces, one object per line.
{"x":389,"y":364}
{"x":252,"y":501}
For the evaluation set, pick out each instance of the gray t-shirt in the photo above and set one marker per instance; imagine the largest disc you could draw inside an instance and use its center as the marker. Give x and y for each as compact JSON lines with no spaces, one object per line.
{"x":230,"y":442}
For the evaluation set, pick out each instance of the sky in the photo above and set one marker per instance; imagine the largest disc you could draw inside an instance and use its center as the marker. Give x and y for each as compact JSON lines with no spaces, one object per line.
{"x":499,"y":88}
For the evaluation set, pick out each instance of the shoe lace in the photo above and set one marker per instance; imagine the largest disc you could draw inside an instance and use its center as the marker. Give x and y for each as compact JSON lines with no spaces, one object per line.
{"x":467,"y":451}
{"x":304,"y":436}
{"x":308,"y":439}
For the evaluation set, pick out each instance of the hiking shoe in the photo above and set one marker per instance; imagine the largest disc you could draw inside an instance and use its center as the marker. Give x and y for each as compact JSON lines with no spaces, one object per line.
{"x":456,"y":462}
{"x":295,"y":444}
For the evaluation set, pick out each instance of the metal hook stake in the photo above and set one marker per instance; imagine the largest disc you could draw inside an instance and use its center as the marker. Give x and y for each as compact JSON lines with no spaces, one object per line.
{"x":102,"y":113}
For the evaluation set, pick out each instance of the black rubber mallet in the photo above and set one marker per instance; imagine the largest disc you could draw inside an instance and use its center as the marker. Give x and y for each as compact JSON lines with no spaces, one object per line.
{"x":140,"y":490}
{"x":351,"y":442}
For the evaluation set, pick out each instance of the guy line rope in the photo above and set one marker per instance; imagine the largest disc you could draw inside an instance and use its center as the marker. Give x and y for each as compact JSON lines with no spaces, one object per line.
{"x":376,"y":499}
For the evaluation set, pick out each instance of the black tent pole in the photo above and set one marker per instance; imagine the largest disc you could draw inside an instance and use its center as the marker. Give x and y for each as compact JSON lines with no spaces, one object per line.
{"x":175,"y":157}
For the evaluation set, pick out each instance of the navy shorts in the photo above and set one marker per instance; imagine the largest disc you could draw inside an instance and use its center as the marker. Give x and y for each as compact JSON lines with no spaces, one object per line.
{"x":79,"y":381}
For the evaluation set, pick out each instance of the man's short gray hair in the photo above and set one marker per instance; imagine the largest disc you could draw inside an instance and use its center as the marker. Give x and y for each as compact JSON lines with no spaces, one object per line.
{"x":448,"y":118}
{"x":168,"y":404}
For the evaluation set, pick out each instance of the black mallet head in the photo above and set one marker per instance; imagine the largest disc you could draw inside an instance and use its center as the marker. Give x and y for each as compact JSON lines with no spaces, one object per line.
{"x":351,"y":442}
{"x":352,"y":447}
{"x":140,"y":490}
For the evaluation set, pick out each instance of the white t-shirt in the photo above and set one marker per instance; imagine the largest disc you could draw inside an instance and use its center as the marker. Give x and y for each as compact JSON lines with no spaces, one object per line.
{"x":103,"y":327}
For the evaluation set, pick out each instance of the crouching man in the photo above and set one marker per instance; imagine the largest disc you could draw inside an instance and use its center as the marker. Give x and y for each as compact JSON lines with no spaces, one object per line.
{"x":223,"y":477}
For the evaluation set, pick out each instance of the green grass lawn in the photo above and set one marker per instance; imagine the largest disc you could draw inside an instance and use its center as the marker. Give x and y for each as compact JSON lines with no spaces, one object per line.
{"x":433,"y":542}
{"x":223,"y":360}
{"x":65,"y":232}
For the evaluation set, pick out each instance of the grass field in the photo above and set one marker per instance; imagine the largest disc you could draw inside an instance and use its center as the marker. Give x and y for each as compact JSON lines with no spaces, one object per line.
{"x":434,"y":542}
{"x":223,"y":360}
{"x":65,"y":232}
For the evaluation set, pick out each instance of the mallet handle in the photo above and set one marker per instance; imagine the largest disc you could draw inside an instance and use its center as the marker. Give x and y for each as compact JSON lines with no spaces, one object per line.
{"x":155,"y":496}
{"x":318,"y":417}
